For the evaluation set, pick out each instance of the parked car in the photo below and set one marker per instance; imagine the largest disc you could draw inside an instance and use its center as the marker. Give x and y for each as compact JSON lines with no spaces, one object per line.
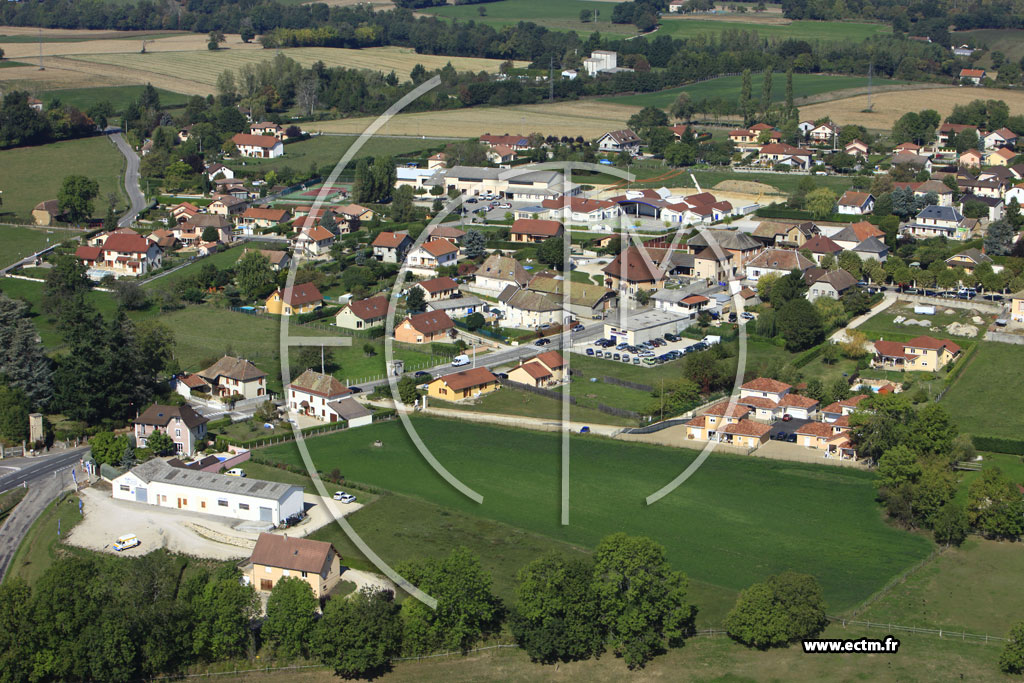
{"x":471,"y":200}
{"x":787,"y":417}
{"x":746,"y":315}
{"x":343,"y":497}
{"x":422,"y":373}
{"x":355,"y":390}
{"x":125,"y":542}
{"x":590,"y":351}
{"x":791,"y":437}
{"x":625,"y":358}
{"x":616,"y":356}
{"x":671,"y":337}
{"x":584,"y":429}
{"x":235,"y":472}
{"x":501,"y":375}
{"x":542,"y":342}
{"x":504,"y":206}
{"x":621,"y":346}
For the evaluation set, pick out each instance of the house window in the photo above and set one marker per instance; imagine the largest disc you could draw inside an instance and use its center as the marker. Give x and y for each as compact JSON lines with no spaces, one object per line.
{"x":304,"y":575}
{"x":125,"y":487}
{"x":285,"y":572}
{"x":222,"y":502}
{"x":177,"y":432}
{"x":268,"y":570}
{"x":243,"y":506}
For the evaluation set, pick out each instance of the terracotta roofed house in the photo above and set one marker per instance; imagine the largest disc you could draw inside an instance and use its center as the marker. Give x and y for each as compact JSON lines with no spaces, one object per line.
{"x":231,"y":375}
{"x":821,"y":246}
{"x":363,"y":314}
{"x":463,"y":384}
{"x":438,"y":288}
{"x":276,"y":557}
{"x":303,"y":298}
{"x":423,"y":328}
{"x":429,"y":256}
{"x":857,"y":203}
{"x":261,"y":146}
{"x":391,"y":247}
{"x":534,"y":230}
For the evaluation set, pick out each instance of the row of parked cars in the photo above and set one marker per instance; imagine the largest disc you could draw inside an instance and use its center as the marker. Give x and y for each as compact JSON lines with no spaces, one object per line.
{"x":645,"y":353}
{"x":963,"y":293}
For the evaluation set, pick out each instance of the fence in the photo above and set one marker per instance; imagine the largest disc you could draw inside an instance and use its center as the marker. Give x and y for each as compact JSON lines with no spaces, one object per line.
{"x":626,"y":383}
{"x":940,"y":632}
{"x":1004,"y":337}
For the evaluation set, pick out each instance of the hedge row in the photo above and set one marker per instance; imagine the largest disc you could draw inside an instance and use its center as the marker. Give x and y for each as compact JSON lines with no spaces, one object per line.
{"x":318,"y":314}
{"x":955,"y":372}
{"x":809,"y":355}
{"x":996,"y":444}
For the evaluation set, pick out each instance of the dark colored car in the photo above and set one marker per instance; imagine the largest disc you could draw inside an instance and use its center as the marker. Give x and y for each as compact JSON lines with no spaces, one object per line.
{"x":355,"y":390}
{"x":422,"y":373}
{"x":542,"y":342}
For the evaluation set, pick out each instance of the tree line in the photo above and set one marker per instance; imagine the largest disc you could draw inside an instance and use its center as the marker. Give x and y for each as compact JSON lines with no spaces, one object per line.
{"x":96,"y":617}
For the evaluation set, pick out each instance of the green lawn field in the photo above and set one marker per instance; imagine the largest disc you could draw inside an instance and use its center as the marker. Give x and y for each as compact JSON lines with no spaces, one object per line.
{"x":563,"y":15}
{"x":328,"y":149}
{"x":825,"y":31}
{"x":29,"y":175}
{"x":19,"y":242}
{"x":33,"y":558}
{"x":985,"y":399}
{"x":32,"y":292}
{"x":735,"y":521}
{"x":514,"y":402}
{"x":1009,"y":41}
{"x":972,"y":588}
{"x":728,"y":88}
{"x":118,"y":96}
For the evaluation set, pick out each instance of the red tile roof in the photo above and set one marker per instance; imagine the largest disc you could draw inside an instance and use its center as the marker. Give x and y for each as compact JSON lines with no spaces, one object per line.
{"x":313,"y":382}
{"x":89,"y":253}
{"x":926,"y":342}
{"x":797,"y":401}
{"x":295,"y":554}
{"x":370,"y":309}
{"x":390,"y":240}
{"x":126,"y":244}
{"x":439,"y":284}
{"x":303,"y":294}
{"x":263,"y":141}
{"x":468,"y":379}
{"x":891,"y":349}
{"x":722,"y":408}
{"x":766,"y":384}
{"x":747,"y":428}
{"x":819,"y":429}
{"x":552,"y":359}
{"x":431,"y":322}
{"x":535,"y":370}
{"x":439,"y":247}
{"x":536,"y":227}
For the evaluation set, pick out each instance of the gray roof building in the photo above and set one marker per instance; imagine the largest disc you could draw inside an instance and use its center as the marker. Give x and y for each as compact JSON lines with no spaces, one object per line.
{"x":157,"y":470}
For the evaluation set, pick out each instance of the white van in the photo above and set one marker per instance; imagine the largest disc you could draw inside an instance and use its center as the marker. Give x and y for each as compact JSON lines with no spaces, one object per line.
{"x":459,"y":361}
{"x":126,"y":542}
{"x":235,"y":472}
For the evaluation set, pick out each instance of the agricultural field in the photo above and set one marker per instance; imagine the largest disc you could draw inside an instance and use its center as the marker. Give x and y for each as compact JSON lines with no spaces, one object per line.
{"x":19,"y":242}
{"x":728,"y":88}
{"x":29,"y":175}
{"x":507,"y":401}
{"x":328,"y":149}
{"x":563,"y":15}
{"x":118,"y":96}
{"x":200,"y":68}
{"x":888,"y":106}
{"x":590,"y":119}
{"x":771,"y":27}
{"x":985,"y":398}
{"x":738,"y":519}
{"x":32,"y":292}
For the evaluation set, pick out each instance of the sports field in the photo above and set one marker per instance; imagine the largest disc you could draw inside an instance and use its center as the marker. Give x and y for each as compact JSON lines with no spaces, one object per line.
{"x":888,"y":106}
{"x":590,"y":119}
{"x":29,"y":175}
{"x":986,"y":398}
{"x":728,"y":88}
{"x":735,"y":521}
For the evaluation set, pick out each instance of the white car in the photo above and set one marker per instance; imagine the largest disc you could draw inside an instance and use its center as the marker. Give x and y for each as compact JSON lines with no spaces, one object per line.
{"x":126,"y":542}
{"x":343,"y":497}
{"x":236,"y":472}
{"x":504,"y":206}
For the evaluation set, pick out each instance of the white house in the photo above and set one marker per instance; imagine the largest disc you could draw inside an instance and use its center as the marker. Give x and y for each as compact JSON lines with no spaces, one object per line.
{"x":600,"y":60}
{"x":623,"y":140}
{"x":261,"y":146}
{"x":938,"y":221}
{"x":182,"y":488}
{"x":429,"y":256}
{"x":776,"y":262}
{"x":855,"y":203}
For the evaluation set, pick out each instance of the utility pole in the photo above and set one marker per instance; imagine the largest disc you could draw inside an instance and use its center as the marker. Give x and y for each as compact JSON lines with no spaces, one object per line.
{"x":871,"y":69}
{"x":551,"y":78}
{"x":41,"y":67}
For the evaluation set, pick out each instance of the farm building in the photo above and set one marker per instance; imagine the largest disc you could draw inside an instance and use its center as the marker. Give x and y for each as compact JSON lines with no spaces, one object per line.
{"x":261,"y":146}
{"x":157,"y":483}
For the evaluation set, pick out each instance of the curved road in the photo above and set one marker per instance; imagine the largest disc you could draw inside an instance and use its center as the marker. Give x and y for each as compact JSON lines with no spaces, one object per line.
{"x":131,"y":180}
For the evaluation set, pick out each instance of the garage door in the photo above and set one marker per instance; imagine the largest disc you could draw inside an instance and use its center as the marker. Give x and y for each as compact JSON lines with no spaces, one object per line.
{"x":140,"y":495}
{"x":266,"y":515}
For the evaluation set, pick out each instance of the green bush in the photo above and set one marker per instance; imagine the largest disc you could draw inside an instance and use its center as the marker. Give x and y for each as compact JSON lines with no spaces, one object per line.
{"x":809,"y":355}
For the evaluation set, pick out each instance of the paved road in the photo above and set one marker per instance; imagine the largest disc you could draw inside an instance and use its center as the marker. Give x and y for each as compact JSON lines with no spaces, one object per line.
{"x":131,"y":180}
{"x":43,"y":487}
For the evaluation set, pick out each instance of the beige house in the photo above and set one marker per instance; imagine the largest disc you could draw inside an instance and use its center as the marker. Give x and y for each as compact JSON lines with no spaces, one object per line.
{"x":464,"y":384}
{"x":498,"y":272}
{"x":1017,"y":307}
{"x":922,"y":353}
{"x":230,"y":376}
{"x":362,"y":315}
{"x":543,"y":370}
{"x":424,"y":328}
{"x":277,"y":557}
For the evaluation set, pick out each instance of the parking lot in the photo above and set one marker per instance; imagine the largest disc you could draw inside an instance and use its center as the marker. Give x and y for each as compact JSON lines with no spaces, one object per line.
{"x":659,"y":350}
{"x":785,"y":431}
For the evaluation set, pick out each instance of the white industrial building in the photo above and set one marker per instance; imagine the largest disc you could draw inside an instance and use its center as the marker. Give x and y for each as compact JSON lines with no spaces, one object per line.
{"x":183,"y":488}
{"x":641,"y":327}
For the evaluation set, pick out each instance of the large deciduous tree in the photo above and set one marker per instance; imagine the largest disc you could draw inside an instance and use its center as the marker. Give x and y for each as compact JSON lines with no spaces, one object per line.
{"x":778,"y":611}
{"x":800,"y":325}
{"x":291,"y":612}
{"x":75,"y":197}
{"x":360,"y":634}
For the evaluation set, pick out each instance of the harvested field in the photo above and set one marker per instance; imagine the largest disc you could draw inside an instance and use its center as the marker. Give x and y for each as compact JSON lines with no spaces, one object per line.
{"x":58,"y":77}
{"x":201,"y":67}
{"x":746,"y":187}
{"x":589,"y":119}
{"x":891,"y":105}
{"x":120,"y":42}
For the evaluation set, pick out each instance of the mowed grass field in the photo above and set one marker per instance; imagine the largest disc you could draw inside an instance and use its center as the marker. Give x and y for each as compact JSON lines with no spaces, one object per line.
{"x":986,"y":398}
{"x":590,"y":119}
{"x":201,"y":67}
{"x":825,"y":31}
{"x":1006,"y":40}
{"x":17,"y":242}
{"x":118,"y":96}
{"x":728,"y":88}
{"x":734,"y":522}
{"x":889,"y":106}
{"x":29,"y":175}
{"x":328,"y":149}
{"x":563,"y":15}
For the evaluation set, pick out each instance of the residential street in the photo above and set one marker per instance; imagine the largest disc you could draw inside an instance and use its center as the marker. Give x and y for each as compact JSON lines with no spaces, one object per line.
{"x":131,"y":180}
